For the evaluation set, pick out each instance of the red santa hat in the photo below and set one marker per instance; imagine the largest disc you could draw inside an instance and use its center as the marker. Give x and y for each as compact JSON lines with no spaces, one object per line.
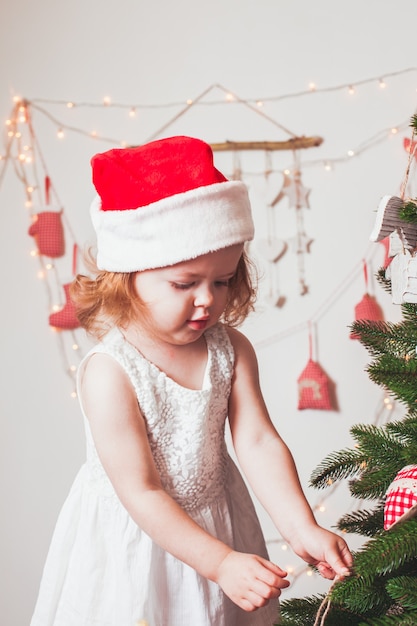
{"x":163,"y":203}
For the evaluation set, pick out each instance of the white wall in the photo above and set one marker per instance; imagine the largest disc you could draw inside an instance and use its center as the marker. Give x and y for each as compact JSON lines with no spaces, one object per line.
{"x":160,"y":52}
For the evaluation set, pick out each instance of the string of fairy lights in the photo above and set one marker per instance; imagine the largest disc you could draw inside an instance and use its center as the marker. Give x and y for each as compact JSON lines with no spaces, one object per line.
{"x":22,"y":151}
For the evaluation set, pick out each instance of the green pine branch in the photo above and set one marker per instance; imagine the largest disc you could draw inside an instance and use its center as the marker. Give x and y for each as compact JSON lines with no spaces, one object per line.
{"x":303,"y":612}
{"x":383,"y":280}
{"x":366,"y":523}
{"x":408,"y":212}
{"x":393,"y":552}
{"x":382,"y":338}
{"x":336,"y":466}
{"x":404,"y":618}
{"x":403,"y":589}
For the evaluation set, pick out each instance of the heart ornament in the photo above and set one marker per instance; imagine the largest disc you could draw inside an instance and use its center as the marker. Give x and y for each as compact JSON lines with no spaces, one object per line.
{"x":272,"y":249}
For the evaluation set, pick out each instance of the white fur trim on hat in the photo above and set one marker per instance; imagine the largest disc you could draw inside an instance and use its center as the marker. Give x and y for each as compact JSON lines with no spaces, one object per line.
{"x":175,"y":229}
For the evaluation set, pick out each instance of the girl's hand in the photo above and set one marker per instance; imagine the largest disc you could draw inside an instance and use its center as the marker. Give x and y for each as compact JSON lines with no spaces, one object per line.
{"x":326,"y":550}
{"x":249,"y":580}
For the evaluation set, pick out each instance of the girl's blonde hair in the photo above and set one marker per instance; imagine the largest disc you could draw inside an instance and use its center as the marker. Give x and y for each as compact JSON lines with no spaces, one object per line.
{"x":109,"y":299}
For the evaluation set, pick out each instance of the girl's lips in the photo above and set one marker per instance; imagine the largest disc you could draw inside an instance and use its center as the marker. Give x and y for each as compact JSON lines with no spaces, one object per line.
{"x":197,"y":324}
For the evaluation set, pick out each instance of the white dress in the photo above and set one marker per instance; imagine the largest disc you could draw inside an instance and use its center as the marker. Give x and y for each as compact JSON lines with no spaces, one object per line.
{"x":102,"y":569}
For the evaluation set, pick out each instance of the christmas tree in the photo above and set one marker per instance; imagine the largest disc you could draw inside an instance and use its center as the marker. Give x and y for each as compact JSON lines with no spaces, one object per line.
{"x":382,"y":465}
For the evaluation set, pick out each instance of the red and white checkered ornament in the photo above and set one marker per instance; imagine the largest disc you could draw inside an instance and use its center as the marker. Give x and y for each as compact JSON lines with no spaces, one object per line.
{"x":401,"y":501}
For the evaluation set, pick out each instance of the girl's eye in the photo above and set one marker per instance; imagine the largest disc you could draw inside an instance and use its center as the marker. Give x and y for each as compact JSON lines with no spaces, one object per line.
{"x":182,"y":285}
{"x":222,"y":283}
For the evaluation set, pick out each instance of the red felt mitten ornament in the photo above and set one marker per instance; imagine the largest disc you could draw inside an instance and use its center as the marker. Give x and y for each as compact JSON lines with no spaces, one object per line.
{"x":48,"y":232}
{"x":47,"y":229}
{"x":401,"y":500}
{"x":368,"y":308}
{"x":66,"y":317}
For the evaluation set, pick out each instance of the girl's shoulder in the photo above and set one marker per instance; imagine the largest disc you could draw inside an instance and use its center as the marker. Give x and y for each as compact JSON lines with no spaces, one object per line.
{"x":243,"y":350}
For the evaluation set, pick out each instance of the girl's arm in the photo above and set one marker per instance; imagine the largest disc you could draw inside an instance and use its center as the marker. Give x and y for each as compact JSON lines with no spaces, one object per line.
{"x":271,"y":472}
{"x":119,"y":433}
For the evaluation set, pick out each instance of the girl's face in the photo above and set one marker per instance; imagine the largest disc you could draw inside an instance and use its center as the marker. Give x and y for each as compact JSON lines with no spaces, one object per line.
{"x":185,"y":299}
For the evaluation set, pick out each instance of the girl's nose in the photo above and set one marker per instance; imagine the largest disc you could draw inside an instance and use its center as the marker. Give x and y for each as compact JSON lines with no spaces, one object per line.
{"x":203,"y":296}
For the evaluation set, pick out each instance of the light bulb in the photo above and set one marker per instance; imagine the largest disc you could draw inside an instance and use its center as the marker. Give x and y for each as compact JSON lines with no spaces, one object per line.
{"x":351,"y":90}
{"x":312,"y":86}
{"x":132,"y":112}
{"x":106,"y":101}
{"x":60,"y":133}
{"x":351,"y":153}
{"x":75,"y":346}
{"x":382,"y":83}
{"x":70,"y":105}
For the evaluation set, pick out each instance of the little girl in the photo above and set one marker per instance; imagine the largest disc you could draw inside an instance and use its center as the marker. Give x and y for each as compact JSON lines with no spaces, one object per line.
{"x":159,"y":527}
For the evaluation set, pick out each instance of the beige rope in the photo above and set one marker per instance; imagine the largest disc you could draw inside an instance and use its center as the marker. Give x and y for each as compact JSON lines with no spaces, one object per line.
{"x":410,"y":158}
{"x":324,"y":607}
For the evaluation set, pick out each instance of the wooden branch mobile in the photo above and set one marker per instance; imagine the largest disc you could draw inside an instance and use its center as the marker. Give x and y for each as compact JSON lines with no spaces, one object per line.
{"x":295,"y":143}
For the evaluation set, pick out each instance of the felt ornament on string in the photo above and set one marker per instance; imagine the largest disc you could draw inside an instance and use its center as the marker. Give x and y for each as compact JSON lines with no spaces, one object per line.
{"x":315,"y":389}
{"x":298,"y":197}
{"x":66,"y":317}
{"x":47,"y":229}
{"x":401,"y":497}
{"x":368,"y":308}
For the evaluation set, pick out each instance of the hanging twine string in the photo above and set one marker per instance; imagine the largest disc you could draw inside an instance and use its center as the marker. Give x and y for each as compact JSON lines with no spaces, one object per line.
{"x":411,"y":154}
{"x":365,"y":275}
{"x":324,"y":607}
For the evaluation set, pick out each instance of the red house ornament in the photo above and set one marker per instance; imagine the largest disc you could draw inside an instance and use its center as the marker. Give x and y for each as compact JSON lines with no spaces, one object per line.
{"x":368,"y":308}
